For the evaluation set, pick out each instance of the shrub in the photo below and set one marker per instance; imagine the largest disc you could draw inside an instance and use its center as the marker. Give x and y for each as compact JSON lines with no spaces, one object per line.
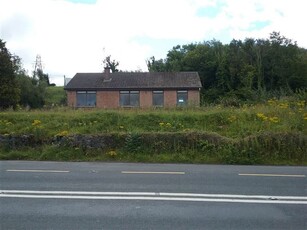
{"x":133,"y":143}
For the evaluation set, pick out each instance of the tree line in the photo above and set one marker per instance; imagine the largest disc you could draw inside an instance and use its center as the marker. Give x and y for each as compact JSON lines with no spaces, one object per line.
{"x":249,"y":70}
{"x":16,"y":86}
{"x":246,"y":70}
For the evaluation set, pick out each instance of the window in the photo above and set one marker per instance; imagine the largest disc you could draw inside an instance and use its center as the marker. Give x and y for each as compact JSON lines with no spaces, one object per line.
{"x":129,"y":98}
{"x":158,"y":98}
{"x":182,"y":97}
{"x":86,"y":98}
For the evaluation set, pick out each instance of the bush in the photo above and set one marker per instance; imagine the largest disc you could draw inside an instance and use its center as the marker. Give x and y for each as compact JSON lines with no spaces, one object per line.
{"x":133,"y":143}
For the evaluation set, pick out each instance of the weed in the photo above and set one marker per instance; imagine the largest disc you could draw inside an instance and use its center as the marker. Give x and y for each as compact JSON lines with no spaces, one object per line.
{"x":133,"y":143}
{"x":112,"y":153}
{"x":249,"y":134}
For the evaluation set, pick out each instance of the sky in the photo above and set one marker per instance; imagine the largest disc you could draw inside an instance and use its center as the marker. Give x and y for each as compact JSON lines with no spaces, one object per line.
{"x":76,"y":35}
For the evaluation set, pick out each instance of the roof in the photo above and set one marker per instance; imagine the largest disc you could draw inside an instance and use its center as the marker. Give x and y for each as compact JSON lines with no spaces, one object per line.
{"x":139,"y":80}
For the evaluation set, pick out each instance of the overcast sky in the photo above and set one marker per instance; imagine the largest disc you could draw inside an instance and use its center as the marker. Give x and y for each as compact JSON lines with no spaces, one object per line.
{"x":76,"y":35}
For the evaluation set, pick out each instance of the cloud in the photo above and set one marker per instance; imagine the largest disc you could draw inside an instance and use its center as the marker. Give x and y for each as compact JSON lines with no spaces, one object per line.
{"x":211,"y":10}
{"x":257,"y":25}
{"x":83,"y":1}
{"x":15,"y":25}
{"x":75,"y":35}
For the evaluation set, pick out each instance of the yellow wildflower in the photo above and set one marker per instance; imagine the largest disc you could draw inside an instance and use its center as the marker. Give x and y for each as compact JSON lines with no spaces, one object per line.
{"x":36,"y":122}
{"x":300,"y":103}
{"x":262,"y":116}
{"x":62,"y":134}
{"x":272,"y":101}
{"x":283,"y":105}
{"x":232,"y":118}
{"x":168,"y":124}
{"x":274,"y":119}
{"x":112,"y":153}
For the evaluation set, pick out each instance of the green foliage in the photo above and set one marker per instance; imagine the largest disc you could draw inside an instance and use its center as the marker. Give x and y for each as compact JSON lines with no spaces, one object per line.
{"x":112,"y":64}
{"x":133,"y":143}
{"x":207,"y":147}
{"x":9,"y":91}
{"x":229,"y":154}
{"x":263,"y":148}
{"x":154,"y":65}
{"x":16,"y":88}
{"x":55,"y":96}
{"x":42,"y":77}
{"x":246,"y":69}
{"x":270,"y":133}
{"x":32,"y":91}
{"x":238,"y":121}
{"x":61,"y":153}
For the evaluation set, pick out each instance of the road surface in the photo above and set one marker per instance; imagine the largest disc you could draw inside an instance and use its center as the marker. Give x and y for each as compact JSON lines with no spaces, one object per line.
{"x":58,"y":195}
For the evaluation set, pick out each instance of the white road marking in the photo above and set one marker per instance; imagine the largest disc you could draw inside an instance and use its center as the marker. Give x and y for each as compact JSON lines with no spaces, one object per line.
{"x":154,"y":199}
{"x":271,"y":175}
{"x":142,"y":172}
{"x":77,"y":193}
{"x":153,"y":196}
{"x":37,"y":171}
{"x":236,"y":196}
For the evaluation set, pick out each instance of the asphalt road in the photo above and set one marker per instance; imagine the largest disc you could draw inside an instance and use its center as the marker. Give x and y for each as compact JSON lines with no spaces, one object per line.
{"x":57,"y":195}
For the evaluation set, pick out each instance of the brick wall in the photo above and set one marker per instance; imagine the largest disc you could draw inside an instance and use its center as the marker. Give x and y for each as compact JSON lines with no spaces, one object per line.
{"x":110,"y":99}
{"x":145,"y":99}
{"x":107,"y":99}
{"x":193,"y":98}
{"x":170,"y":98}
{"x":71,"y":98}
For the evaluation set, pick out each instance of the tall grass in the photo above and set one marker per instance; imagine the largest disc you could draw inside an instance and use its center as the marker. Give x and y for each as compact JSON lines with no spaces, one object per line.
{"x":55,"y":96}
{"x":264,"y":133}
{"x":229,"y":122}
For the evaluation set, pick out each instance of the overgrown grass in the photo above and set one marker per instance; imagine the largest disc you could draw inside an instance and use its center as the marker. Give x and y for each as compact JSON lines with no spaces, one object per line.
{"x":55,"y":96}
{"x":270,"y":133}
{"x":228,"y":122}
{"x":267,"y":148}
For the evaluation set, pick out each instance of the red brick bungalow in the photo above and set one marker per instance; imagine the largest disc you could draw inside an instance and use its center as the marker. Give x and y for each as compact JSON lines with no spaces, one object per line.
{"x":144,"y":90}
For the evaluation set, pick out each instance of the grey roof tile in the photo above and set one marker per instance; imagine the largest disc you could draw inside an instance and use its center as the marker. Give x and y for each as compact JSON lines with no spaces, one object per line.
{"x":144,"y":80}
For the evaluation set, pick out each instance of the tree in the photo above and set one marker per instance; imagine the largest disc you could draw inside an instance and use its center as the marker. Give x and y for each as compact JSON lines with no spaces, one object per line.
{"x":246,"y":70}
{"x":154,"y":65}
{"x":32,"y":93}
{"x":42,"y":77}
{"x":112,"y":64}
{"x":298,"y":78}
{"x":9,"y":91}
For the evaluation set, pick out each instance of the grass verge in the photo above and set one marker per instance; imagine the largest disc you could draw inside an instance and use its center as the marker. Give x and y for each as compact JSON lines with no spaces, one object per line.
{"x":265,"y":148}
{"x":270,"y":133}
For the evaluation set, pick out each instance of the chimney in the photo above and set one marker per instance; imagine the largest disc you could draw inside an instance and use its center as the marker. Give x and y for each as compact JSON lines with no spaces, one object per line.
{"x":107,"y":74}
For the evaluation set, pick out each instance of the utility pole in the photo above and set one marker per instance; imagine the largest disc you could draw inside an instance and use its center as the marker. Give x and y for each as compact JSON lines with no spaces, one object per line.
{"x":38,"y":65}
